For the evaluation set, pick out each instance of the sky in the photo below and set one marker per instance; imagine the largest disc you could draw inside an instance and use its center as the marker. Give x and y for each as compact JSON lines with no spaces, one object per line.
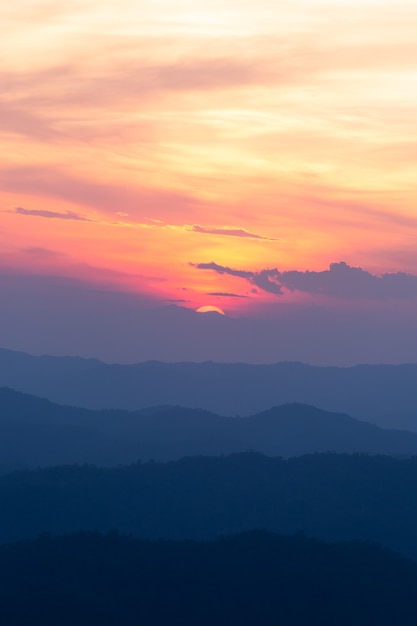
{"x":168,"y":155}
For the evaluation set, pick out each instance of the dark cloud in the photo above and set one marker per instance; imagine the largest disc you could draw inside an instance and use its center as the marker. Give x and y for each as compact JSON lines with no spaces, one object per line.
{"x":220,"y":269}
{"x":229,"y":232}
{"x":340,"y":280}
{"x":265,"y":279}
{"x":222,"y":294}
{"x":68,"y":215}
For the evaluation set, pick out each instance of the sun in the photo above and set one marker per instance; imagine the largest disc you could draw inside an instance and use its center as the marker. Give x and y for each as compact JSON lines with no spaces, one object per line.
{"x":210,"y":309}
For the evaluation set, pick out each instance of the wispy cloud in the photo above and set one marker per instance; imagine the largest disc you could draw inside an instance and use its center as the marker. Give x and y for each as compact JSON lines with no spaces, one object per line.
{"x":221,"y":269}
{"x":176,"y":300}
{"x":221,"y":294}
{"x":229,"y":232}
{"x":68,"y":215}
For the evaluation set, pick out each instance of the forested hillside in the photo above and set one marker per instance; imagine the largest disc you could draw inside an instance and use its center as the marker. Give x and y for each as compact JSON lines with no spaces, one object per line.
{"x":330,"y":496}
{"x":251,"y":579}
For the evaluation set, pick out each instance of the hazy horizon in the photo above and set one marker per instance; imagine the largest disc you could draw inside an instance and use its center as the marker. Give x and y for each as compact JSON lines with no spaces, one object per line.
{"x":52,"y":315}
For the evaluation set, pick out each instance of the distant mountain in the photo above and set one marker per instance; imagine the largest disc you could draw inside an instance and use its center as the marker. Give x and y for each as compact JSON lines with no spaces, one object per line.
{"x":383,"y":394}
{"x":329,"y":496}
{"x":254,"y":578}
{"x":38,"y":432}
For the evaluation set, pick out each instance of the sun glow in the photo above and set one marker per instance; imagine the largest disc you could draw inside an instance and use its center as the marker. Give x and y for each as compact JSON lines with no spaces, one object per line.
{"x":210,"y":309}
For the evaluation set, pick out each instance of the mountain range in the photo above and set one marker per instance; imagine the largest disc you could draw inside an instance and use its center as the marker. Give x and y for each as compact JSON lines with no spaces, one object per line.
{"x":381,"y":394}
{"x":37,"y":432}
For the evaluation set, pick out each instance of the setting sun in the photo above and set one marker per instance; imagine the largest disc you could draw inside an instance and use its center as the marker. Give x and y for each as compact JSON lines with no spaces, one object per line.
{"x":210,"y":309}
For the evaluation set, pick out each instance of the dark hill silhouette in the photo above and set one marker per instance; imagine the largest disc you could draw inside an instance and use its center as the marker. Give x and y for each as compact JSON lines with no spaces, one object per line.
{"x":383,"y":394}
{"x":330,"y":496}
{"x":38,"y":432}
{"x":248,"y":580}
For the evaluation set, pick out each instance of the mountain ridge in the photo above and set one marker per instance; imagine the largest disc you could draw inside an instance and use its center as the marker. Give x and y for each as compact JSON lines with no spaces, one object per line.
{"x":382,"y":394}
{"x":34,"y":431}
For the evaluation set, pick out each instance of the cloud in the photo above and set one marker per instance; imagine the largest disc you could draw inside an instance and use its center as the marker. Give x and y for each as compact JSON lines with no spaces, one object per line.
{"x":342,"y":280}
{"x":220,"y":269}
{"x":339,"y":281}
{"x":267,"y":280}
{"x":221,"y":294}
{"x":68,"y":215}
{"x":230,"y":232}
{"x":263,"y":279}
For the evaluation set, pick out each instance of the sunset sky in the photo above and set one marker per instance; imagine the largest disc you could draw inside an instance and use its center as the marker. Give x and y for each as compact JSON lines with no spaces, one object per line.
{"x":242,"y":155}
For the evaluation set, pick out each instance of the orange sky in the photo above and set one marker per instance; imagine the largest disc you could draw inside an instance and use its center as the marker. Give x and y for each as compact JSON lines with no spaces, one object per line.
{"x":142,"y":137}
